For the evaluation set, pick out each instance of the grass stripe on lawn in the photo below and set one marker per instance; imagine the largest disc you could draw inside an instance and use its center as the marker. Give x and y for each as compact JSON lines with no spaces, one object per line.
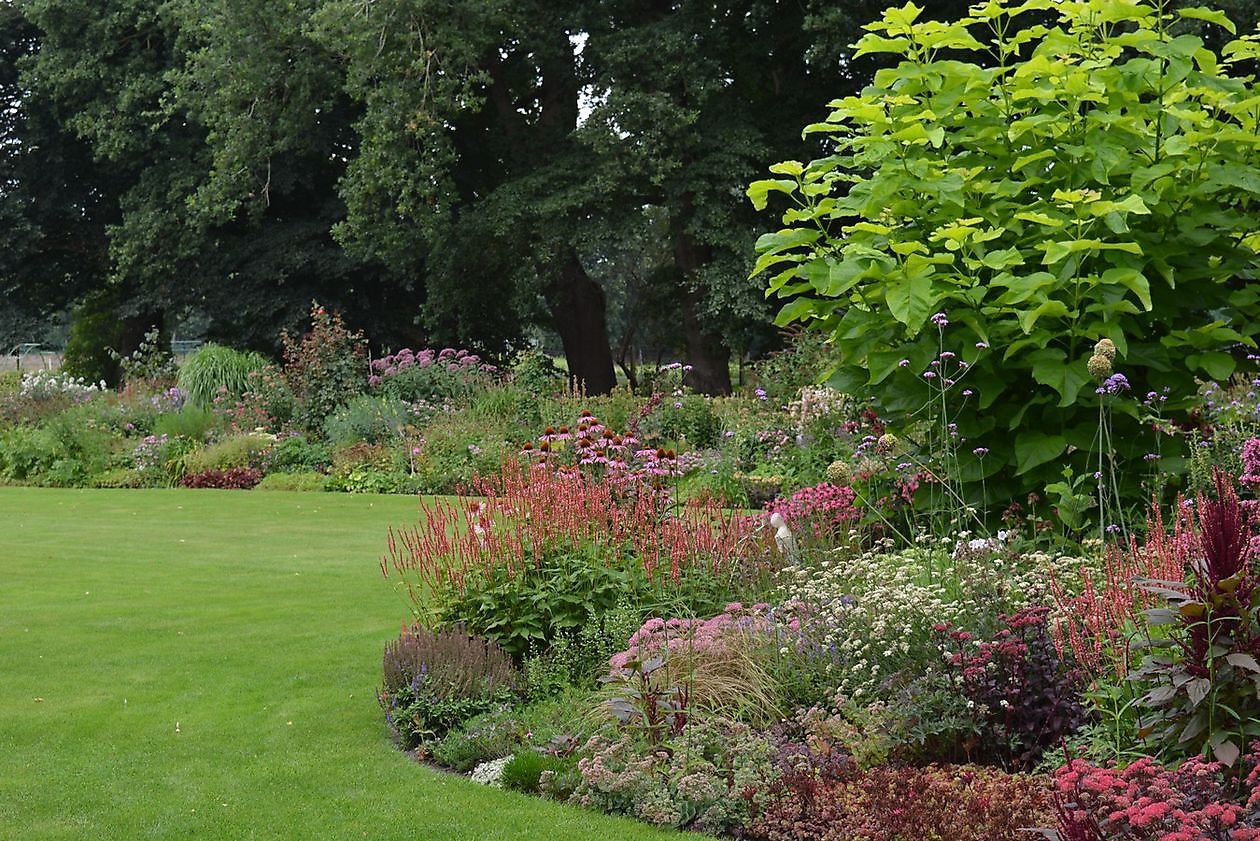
{"x":202,"y":664}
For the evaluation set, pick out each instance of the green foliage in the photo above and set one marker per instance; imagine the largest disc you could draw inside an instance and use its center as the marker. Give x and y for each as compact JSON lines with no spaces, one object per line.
{"x":1044,"y":186}
{"x":151,"y":362}
{"x":236,"y":451}
{"x":526,"y":767}
{"x":376,"y":420}
{"x":537,"y":373}
{"x":1203,"y":681}
{"x":309,"y":482}
{"x":807,"y":358}
{"x":690,"y":417}
{"x":525,"y":613}
{"x":122,"y":477}
{"x":10,"y":383}
{"x":25,"y":452}
{"x":215,"y":370}
{"x":579,"y":658}
{"x":483,"y":737}
{"x":94,"y":331}
{"x":67,"y":451}
{"x":324,"y":369}
{"x":295,"y":454}
{"x":195,"y":423}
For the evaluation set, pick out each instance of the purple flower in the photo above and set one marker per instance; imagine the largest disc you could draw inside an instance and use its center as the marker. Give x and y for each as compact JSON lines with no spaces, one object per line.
{"x":760,"y":392}
{"x":967,"y":392}
{"x":940,"y":320}
{"x":981,"y":452}
{"x":929,"y":375}
{"x":903,"y":363}
{"x":982,"y":345}
{"x":1115,"y":384}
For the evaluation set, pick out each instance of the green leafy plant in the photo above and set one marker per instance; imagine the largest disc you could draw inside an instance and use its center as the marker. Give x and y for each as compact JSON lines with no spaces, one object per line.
{"x":325,"y":368}
{"x":151,"y":362}
{"x":374,"y":420}
{"x":1043,"y":175}
{"x":237,"y":451}
{"x":95,"y":329}
{"x":1203,"y":681}
{"x":213,"y":370}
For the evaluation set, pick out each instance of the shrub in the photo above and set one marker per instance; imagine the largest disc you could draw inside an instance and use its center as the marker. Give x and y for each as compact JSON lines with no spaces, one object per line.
{"x":325,"y":368}
{"x":983,"y":177}
{"x":94,"y":330}
{"x":25,"y":453}
{"x":150,"y":362}
{"x":373,"y":420}
{"x":489,"y":735}
{"x":435,"y":680}
{"x":122,"y":477}
{"x":296,"y":454}
{"x":578,"y":658}
{"x":535,"y":372}
{"x":214,"y":370}
{"x":267,"y":402}
{"x":688,"y":418}
{"x":232,"y":479}
{"x":237,"y":451}
{"x":806,"y":358}
{"x":293,"y":482}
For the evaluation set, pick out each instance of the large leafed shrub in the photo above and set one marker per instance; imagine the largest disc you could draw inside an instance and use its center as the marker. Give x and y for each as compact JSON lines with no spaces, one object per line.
{"x":1040,"y":176}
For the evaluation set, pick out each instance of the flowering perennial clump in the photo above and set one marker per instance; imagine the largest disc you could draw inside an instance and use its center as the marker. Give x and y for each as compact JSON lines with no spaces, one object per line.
{"x":1197,"y":801}
{"x":825,"y":510}
{"x":530,"y":511}
{"x":41,"y":385}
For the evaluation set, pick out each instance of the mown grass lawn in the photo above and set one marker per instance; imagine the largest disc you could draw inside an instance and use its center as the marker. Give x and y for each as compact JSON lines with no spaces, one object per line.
{"x":201,"y":664}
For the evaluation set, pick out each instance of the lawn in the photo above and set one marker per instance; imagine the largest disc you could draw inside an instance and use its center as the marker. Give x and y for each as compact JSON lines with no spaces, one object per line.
{"x":202,"y":664}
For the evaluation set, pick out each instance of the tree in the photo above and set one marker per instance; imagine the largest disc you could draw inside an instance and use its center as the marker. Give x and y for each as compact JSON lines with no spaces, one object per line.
{"x":1045,"y":186}
{"x":216,"y":134}
{"x":55,"y":202}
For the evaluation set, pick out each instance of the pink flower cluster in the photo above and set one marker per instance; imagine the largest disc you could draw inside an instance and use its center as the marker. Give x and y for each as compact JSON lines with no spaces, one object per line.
{"x":1251,"y":464}
{"x":449,"y":358}
{"x":659,"y":637}
{"x":824,"y":509}
{"x":1147,"y":802}
{"x":600,"y":451}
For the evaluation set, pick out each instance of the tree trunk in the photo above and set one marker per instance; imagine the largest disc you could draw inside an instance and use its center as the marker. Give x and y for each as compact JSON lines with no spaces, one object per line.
{"x":577,"y":308}
{"x":707,"y":355}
